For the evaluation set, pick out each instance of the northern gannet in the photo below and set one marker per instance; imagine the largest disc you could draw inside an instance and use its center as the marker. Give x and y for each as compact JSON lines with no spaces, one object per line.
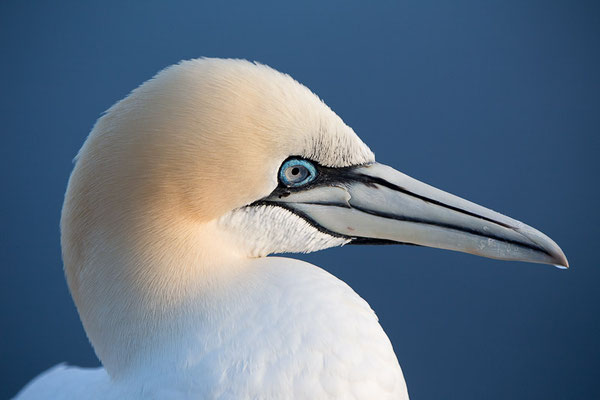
{"x":179,"y":193}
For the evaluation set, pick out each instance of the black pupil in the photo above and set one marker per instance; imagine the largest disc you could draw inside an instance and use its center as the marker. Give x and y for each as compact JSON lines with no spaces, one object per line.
{"x":295,"y":171}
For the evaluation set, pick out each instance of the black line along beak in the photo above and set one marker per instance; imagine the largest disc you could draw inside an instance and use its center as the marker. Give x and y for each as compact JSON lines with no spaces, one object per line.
{"x":376,"y":203}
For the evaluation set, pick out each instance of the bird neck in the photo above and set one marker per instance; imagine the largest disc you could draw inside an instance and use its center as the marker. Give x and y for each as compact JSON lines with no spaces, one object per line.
{"x":147,"y":291}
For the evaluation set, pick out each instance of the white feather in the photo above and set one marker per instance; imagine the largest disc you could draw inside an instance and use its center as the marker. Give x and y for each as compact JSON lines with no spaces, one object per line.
{"x":284,"y":329}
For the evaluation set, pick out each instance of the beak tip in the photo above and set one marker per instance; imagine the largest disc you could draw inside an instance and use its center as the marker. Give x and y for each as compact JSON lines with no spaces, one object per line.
{"x":553,"y":253}
{"x":560,"y":259}
{"x":564,"y":264}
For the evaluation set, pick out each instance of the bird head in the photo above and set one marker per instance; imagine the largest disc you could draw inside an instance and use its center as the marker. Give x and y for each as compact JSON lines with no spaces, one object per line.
{"x":226,"y":158}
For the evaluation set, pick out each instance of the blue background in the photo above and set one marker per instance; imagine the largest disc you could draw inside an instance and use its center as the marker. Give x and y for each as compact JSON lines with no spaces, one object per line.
{"x":497,"y":102}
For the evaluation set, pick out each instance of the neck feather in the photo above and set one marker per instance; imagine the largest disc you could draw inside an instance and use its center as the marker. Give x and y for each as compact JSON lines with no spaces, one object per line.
{"x":139,"y":285}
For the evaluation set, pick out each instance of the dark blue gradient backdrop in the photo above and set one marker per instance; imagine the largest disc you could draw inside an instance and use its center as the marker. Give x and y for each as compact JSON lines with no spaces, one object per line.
{"x":495,"y":101}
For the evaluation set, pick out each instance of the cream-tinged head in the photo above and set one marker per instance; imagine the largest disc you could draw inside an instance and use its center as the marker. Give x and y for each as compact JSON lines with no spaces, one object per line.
{"x":147,"y":201}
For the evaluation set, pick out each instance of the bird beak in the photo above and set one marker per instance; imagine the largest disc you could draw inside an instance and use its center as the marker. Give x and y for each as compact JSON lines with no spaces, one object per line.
{"x":375,"y":203}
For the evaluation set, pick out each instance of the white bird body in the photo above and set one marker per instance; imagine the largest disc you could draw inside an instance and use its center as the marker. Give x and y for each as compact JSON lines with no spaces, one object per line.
{"x":179,"y":193}
{"x":284,"y":328}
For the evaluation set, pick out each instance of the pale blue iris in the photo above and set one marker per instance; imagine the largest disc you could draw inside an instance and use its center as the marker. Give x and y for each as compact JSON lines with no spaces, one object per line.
{"x":297,"y":172}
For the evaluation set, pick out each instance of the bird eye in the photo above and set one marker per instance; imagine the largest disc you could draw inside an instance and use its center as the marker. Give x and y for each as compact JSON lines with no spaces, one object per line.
{"x":297,"y":172}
